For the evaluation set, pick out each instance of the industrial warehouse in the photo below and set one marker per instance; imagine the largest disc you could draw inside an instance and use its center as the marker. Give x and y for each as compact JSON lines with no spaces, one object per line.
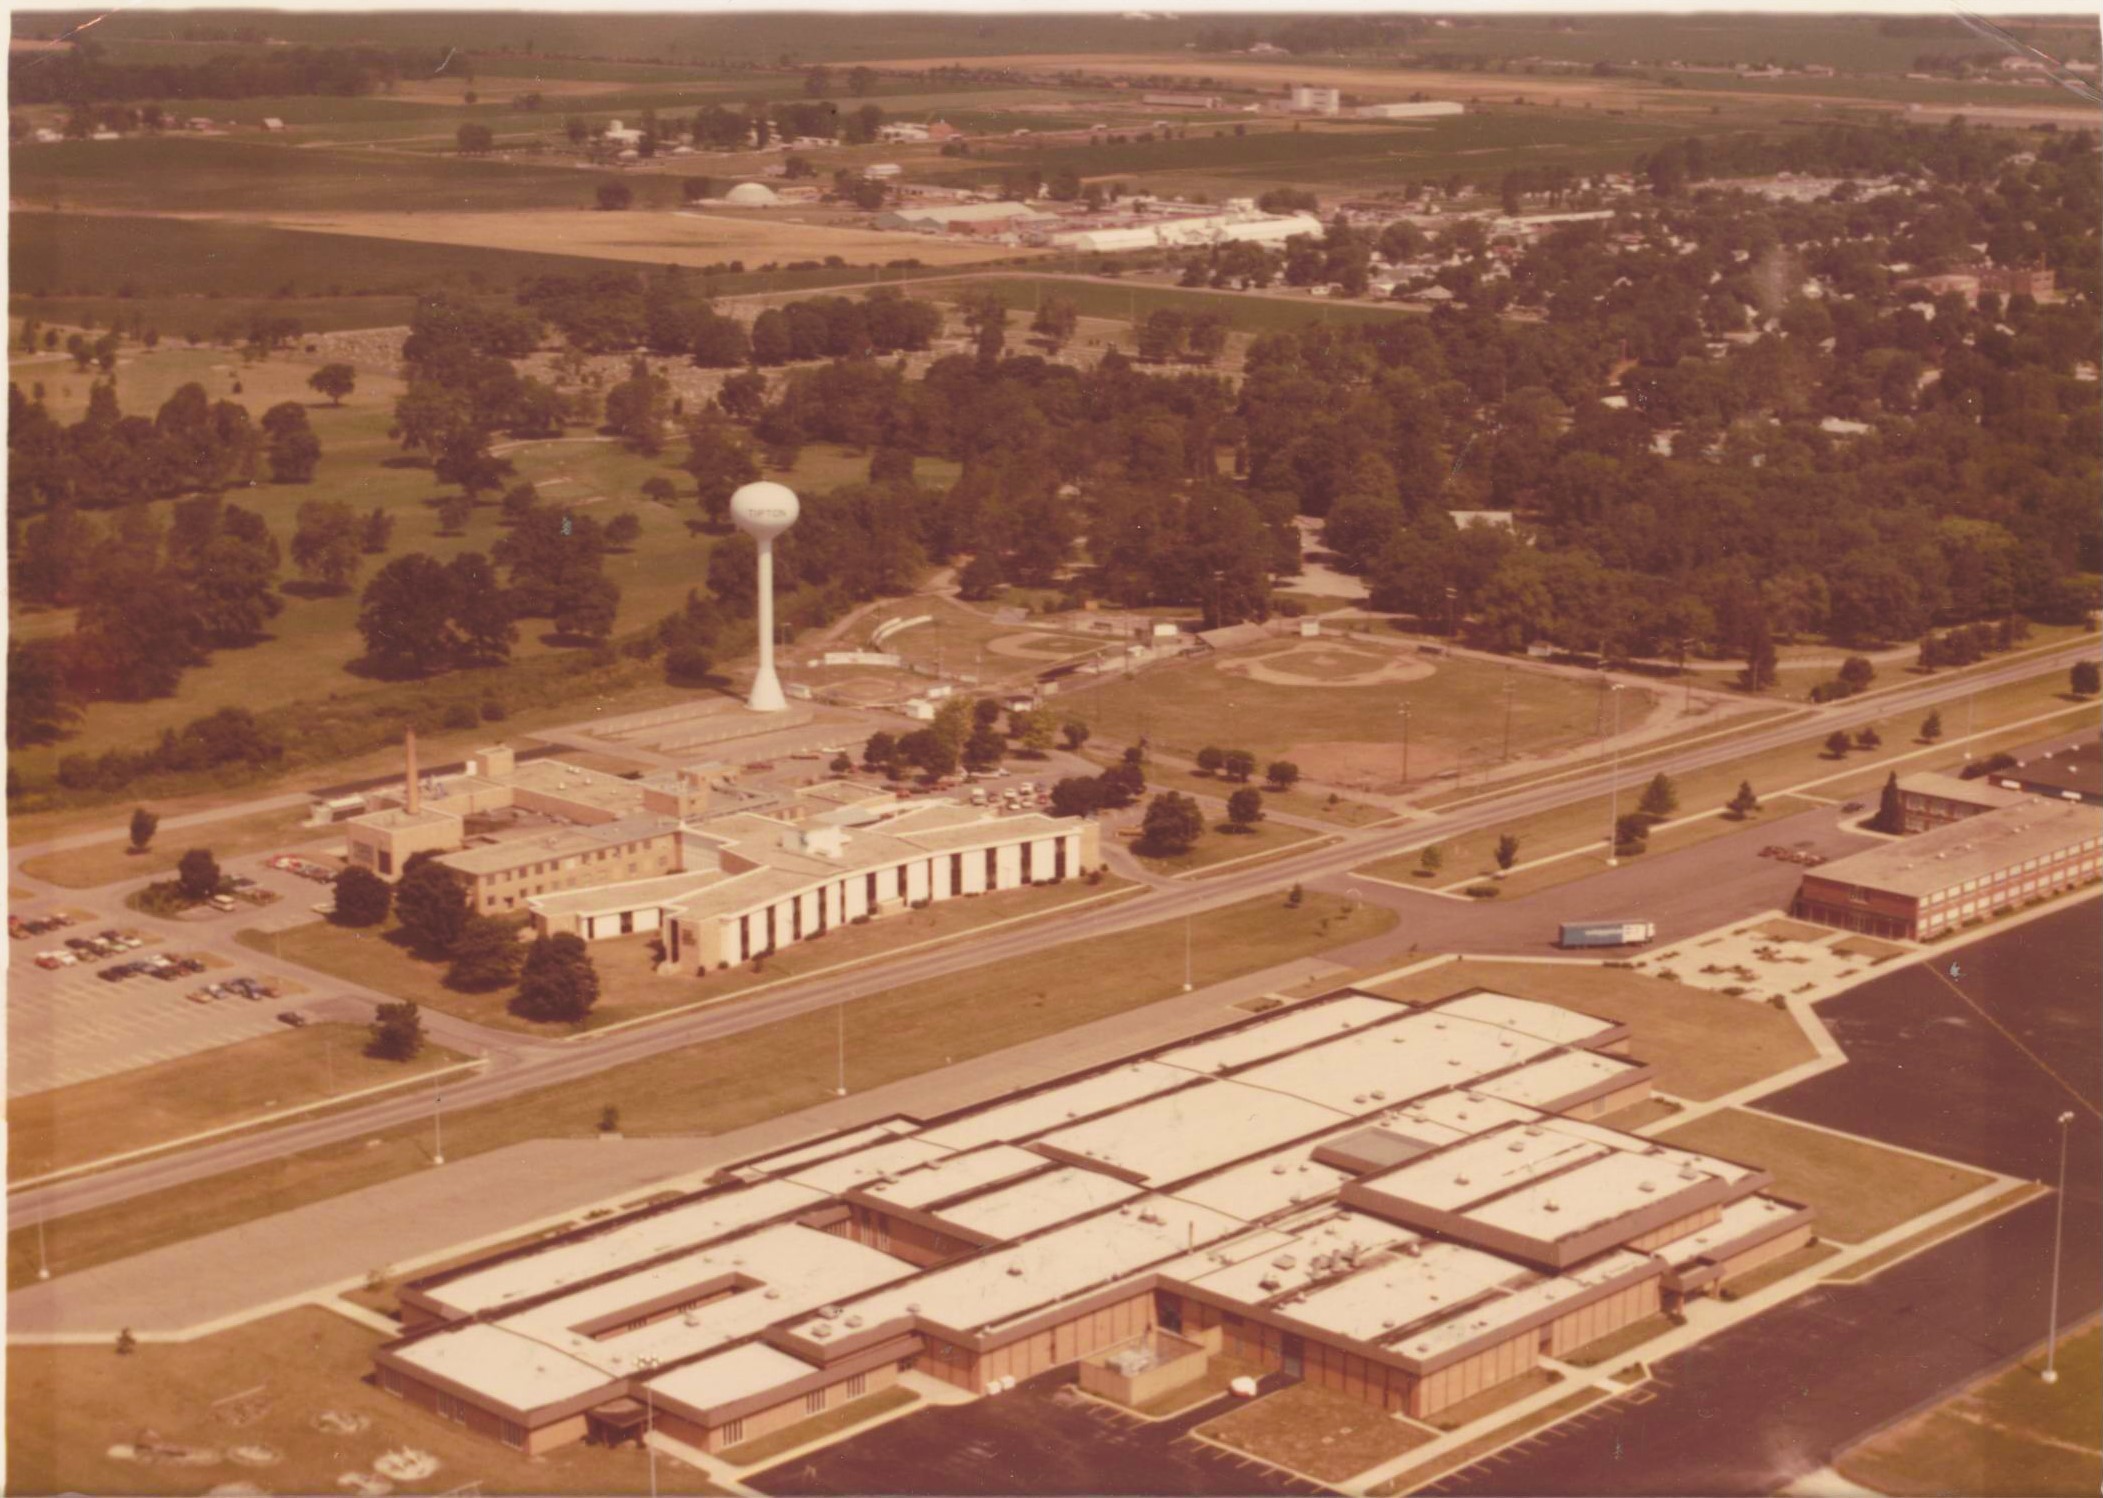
{"x":1403,"y":1205}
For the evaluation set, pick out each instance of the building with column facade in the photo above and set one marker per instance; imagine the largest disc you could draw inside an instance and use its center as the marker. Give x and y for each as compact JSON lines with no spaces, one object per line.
{"x":1407,"y":1205}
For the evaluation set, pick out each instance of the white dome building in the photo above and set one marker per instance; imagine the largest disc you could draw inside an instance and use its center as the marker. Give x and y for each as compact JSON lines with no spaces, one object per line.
{"x":752,"y":195}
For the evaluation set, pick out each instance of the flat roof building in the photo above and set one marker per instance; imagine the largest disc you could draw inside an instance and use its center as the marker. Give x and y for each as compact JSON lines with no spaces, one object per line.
{"x":1957,"y":873}
{"x":1929,"y":799}
{"x":1403,"y":1204}
{"x":2066,"y":769}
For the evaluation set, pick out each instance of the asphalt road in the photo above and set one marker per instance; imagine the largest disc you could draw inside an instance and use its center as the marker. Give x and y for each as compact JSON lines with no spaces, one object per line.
{"x":527,"y":1069}
{"x":1760,"y":1405}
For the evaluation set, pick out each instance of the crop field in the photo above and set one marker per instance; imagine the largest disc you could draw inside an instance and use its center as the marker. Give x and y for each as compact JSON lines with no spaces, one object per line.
{"x":1133,"y":301}
{"x":652,"y":238}
{"x":1349,"y":156}
{"x":206,"y":174}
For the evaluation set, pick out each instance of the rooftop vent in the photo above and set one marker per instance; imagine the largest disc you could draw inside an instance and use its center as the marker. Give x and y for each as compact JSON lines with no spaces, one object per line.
{"x":1461,"y":1181}
{"x":1647,"y":1187}
{"x":822,"y":1329}
{"x":1550,"y":1207}
{"x":830,"y":1313}
{"x":1015,"y":1271}
{"x":1278,"y":1170}
{"x":1284,"y":1261}
{"x":853,"y":1321}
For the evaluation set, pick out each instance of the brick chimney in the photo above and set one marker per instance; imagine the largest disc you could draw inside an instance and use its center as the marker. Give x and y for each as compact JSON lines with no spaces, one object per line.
{"x":414,"y":801}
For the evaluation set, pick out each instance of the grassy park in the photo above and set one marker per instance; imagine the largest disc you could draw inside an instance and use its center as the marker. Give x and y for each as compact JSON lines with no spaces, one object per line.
{"x":229,"y":1086}
{"x":1702,"y":1044}
{"x":98,"y":864}
{"x":630,"y":986}
{"x":756,"y":1074}
{"x":2011,"y":1433}
{"x":1223,"y":843}
{"x":1858,"y":1189}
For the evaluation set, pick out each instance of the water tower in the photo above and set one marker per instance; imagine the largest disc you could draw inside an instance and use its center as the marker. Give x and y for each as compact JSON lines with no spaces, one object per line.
{"x":763,"y":511}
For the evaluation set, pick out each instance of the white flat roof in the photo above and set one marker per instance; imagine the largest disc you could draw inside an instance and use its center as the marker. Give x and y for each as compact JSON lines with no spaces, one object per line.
{"x":1426,"y":1051}
{"x":1439,"y":1277}
{"x":1095,"y":1251}
{"x":665,"y":1232}
{"x":838,"y":1144}
{"x":957,"y":1174}
{"x":796,"y":1269}
{"x":1170,"y":1138}
{"x":1039,"y":1202}
{"x":1529,"y":1017}
{"x":1741,"y":1217}
{"x":1508,"y":1310}
{"x":1056,"y":1105}
{"x":1269,"y":1184}
{"x":1595,"y":1192}
{"x":1559,"y":1076}
{"x":736,"y":1374}
{"x":1287,"y":1263}
{"x":1457,"y":1178}
{"x":889,"y":1158}
{"x":504,"y":1366}
{"x":1294,"y":1027}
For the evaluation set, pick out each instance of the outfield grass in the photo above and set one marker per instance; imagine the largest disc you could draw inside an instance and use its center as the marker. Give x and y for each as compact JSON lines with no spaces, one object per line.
{"x":67,"y":1406}
{"x":1702,"y":1043}
{"x":1857,"y":1188}
{"x":108,"y":863}
{"x":2009,"y":1434}
{"x":1456,"y":715}
{"x":630,"y":986}
{"x":753,"y":1075}
{"x":69,"y":1126}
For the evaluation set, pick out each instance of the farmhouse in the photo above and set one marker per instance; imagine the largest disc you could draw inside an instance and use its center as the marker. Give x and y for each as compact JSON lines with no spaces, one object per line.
{"x":1403,"y":1205}
{"x":1960,"y":872}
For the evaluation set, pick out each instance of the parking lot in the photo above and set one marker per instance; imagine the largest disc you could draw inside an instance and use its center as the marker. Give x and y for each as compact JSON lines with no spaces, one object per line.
{"x":1043,"y":1436}
{"x":69,"y":1025}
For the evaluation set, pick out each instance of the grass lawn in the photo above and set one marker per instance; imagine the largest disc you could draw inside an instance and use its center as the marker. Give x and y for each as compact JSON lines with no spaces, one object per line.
{"x":1490,"y":1400}
{"x":1949,"y":1227}
{"x":1313,"y":1430}
{"x":1584,"y":824}
{"x":818,"y":1427}
{"x":1702,"y":1044}
{"x":1857,"y":1188}
{"x":1300,"y":801}
{"x":1221,"y":843}
{"x":2009,"y":1434}
{"x":67,"y":1406}
{"x":754,"y":1075}
{"x":1482,"y":1445}
{"x":629,"y":984}
{"x":107,"y":863}
{"x":1456,"y":715}
{"x":69,"y":1126}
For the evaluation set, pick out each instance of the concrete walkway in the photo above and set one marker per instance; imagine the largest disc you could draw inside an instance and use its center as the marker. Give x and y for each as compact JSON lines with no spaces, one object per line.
{"x":205,"y":1284}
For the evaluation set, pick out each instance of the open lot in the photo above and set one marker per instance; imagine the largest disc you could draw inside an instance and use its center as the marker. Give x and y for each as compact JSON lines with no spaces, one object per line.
{"x":1859,"y":1189}
{"x":285,"y":1068}
{"x":1702,"y":1044}
{"x":754,"y":1074}
{"x":630,"y":986}
{"x":1343,"y":736}
{"x":67,"y":1407}
{"x":2010,"y":1434}
{"x":98,"y":864}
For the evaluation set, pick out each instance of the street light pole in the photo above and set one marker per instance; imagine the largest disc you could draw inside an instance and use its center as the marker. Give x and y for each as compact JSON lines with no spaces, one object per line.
{"x":1613,"y":814}
{"x":437,"y":1129}
{"x":1186,"y":954}
{"x":43,"y":1261}
{"x":1404,"y":710}
{"x":2051,"y":1373}
{"x":840,"y":1010}
{"x":1507,"y":714}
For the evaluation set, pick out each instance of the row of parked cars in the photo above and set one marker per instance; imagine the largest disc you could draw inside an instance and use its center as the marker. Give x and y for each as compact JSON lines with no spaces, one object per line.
{"x":305,"y":868}
{"x":21,"y":927}
{"x":1803,"y":856}
{"x":166,"y":966}
{"x":79,"y":949}
{"x":235,"y":988}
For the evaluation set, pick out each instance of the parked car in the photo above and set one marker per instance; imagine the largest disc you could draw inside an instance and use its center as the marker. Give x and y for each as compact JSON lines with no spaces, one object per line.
{"x":51,"y":960}
{"x":1850,"y":806}
{"x":221,"y":902}
{"x":293,"y":1018}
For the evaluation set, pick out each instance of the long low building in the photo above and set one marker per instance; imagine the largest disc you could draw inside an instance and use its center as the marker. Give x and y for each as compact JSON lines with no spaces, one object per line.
{"x":1407,"y":1205}
{"x":1961,"y":871}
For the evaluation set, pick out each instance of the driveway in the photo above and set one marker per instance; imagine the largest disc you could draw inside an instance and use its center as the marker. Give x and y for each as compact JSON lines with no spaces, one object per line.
{"x":1761,"y":1405}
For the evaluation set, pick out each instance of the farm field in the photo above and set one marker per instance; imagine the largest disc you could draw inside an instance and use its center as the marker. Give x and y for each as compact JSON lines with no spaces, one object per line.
{"x":1127,"y":302}
{"x":651,"y":238}
{"x":1343,"y":735}
{"x":758,"y":1074}
{"x":69,"y":1126}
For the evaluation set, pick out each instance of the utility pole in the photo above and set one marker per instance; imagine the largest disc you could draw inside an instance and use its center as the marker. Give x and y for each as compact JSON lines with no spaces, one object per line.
{"x":1613,"y":815}
{"x":2051,"y":1373}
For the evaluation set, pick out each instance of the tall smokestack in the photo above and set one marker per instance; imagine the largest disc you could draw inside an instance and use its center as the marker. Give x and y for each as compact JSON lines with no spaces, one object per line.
{"x":415,"y":798}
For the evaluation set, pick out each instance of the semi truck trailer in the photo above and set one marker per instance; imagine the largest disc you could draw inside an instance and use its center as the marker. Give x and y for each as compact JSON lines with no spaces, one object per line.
{"x":1606,"y":933}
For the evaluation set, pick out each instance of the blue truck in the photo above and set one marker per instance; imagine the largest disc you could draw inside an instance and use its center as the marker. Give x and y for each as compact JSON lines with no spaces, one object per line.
{"x":1606,"y":933}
